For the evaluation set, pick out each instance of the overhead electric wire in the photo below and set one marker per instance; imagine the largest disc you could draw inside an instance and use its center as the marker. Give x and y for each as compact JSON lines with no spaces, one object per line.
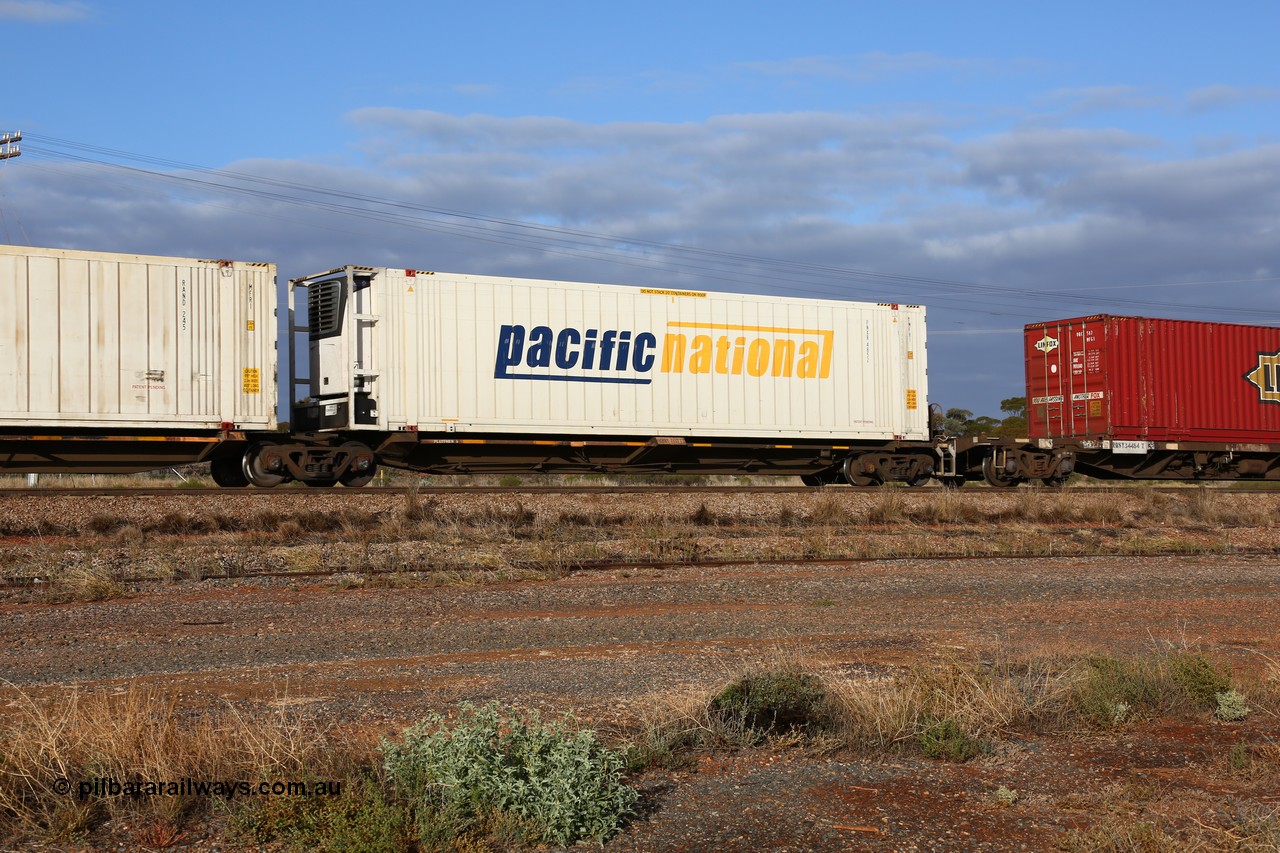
{"x":712,"y":264}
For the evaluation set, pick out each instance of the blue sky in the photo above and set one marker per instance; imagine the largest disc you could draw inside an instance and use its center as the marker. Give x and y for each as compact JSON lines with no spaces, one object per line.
{"x":1002,"y":163}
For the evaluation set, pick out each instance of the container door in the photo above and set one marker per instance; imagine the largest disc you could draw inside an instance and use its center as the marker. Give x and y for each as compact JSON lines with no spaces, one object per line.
{"x":1047,"y":414}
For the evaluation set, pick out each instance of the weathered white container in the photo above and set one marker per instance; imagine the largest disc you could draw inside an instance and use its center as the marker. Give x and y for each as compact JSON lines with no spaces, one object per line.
{"x":446,"y":353}
{"x":115,"y":341}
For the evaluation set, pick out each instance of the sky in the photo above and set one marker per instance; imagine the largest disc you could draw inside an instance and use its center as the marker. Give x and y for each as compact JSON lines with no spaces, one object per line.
{"x":1001,"y":163}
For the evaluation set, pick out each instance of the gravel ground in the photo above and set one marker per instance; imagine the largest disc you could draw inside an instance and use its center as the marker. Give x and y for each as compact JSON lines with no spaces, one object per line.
{"x":613,"y":644}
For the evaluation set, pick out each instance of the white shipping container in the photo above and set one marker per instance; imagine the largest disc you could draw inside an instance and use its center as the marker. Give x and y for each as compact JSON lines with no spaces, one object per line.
{"x":116,"y":341}
{"x":450,"y":353}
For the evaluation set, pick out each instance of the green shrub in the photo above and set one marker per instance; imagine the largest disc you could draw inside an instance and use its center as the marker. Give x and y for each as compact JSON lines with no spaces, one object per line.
{"x":504,"y":772}
{"x":764,"y":703}
{"x":1232,"y":706}
{"x":945,"y":740}
{"x":364,"y":818}
{"x":1114,"y":689}
{"x":1197,"y":678}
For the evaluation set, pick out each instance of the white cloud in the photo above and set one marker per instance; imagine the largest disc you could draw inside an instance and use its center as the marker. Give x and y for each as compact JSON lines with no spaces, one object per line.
{"x":1217,"y":97}
{"x":43,"y":11}
{"x":1017,"y":212}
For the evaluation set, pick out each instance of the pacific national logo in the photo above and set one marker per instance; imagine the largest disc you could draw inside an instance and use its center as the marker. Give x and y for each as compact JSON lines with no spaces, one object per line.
{"x":1267,"y":377}
{"x":623,"y":357}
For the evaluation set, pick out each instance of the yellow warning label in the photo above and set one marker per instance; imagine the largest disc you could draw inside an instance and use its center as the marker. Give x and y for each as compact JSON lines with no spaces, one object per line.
{"x":652,"y":292}
{"x":251,"y":382}
{"x":912,"y":402}
{"x":248,"y":327}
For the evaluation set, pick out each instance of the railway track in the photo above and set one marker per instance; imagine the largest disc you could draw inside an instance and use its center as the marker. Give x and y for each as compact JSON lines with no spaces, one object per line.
{"x":177,"y":491}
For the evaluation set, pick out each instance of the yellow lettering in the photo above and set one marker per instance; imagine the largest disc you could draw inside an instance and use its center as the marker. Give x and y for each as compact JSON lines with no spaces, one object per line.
{"x":784,"y":356}
{"x":700,"y":361}
{"x":722,"y":355}
{"x":739,"y":350}
{"x":673,"y":353}
{"x":810,"y":360}
{"x":758,"y":357}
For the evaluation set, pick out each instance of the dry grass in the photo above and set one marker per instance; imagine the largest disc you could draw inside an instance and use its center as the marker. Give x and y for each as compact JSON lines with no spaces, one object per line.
{"x":138,"y":734}
{"x":977,"y":703}
{"x":416,"y":533}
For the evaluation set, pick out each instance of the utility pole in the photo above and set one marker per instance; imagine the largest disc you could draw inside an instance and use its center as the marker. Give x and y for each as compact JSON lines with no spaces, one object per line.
{"x":9,"y":145}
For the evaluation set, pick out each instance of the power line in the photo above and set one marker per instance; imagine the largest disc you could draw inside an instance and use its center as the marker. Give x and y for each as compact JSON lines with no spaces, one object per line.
{"x":809,"y":278}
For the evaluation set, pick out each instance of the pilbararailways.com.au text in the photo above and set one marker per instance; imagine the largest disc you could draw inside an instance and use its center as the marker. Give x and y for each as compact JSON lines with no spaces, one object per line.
{"x":103,"y":786}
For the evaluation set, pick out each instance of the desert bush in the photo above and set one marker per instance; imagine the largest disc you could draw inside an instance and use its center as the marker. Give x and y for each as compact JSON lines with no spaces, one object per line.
{"x":775,"y":701}
{"x":829,"y":511}
{"x":1113,"y":690}
{"x":945,"y":740}
{"x":103,"y":524}
{"x":890,"y":508}
{"x":703,"y":517}
{"x":1232,"y":707}
{"x":364,"y":818}
{"x":81,"y":581}
{"x":947,"y":507}
{"x":1197,"y":678}
{"x":504,"y":768}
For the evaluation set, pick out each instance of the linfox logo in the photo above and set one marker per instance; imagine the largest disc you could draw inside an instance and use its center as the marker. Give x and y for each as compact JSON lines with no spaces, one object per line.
{"x":1266,"y":376}
{"x":624,"y":357}
{"x":1047,"y":344}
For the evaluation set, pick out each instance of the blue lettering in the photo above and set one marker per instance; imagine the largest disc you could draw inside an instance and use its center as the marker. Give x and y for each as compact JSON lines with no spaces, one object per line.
{"x":640,"y":362}
{"x":566,"y":359}
{"x":510,"y":349}
{"x":540,"y":338}
{"x":570,"y":348}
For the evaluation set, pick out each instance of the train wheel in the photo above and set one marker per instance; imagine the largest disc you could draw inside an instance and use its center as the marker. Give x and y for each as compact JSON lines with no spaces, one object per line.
{"x":1054,"y":482}
{"x":953,"y":482}
{"x":855,"y":476}
{"x":355,"y":479}
{"x":918,"y":481}
{"x":253,"y":471}
{"x":996,"y":478}
{"x":227,"y":473}
{"x":812,"y":480}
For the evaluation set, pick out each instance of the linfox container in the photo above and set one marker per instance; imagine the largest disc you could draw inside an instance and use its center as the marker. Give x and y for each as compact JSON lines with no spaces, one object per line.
{"x":1138,"y":379}
{"x":441,"y":352}
{"x":129,"y":342}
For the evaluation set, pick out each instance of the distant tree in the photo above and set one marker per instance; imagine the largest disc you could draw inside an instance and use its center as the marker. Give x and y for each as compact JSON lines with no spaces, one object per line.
{"x":954,"y":421}
{"x":1015,"y":424}
{"x":1016,"y":406}
{"x":962,"y":421}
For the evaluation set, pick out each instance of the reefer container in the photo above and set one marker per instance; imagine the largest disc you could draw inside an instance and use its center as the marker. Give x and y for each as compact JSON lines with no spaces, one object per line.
{"x":1136,"y":379}
{"x":133,"y":342}
{"x":445,"y":353}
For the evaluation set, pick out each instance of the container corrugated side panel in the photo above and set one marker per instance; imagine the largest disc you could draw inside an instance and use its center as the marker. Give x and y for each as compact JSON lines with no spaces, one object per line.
{"x":446,"y":370}
{"x":94,"y":339}
{"x":1167,"y":380}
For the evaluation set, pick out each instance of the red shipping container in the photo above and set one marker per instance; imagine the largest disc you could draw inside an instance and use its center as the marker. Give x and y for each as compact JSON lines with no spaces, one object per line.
{"x":1142,"y":379}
